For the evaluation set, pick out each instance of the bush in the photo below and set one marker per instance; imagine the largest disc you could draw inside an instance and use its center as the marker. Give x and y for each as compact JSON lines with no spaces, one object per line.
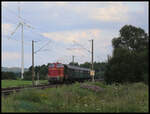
{"x":145,"y":78}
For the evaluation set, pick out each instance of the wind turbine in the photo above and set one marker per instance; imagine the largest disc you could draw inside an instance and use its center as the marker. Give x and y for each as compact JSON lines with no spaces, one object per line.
{"x":21,"y":24}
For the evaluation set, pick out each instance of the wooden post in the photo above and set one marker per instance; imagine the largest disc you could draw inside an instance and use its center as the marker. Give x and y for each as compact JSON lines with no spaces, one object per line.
{"x":33,"y":73}
{"x":73,"y":60}
{"x":92,"y":62}
{"x":38,"y":77}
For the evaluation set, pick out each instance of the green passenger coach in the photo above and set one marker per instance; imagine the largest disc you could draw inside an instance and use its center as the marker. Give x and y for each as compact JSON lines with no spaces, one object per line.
{"x":74,"y":73}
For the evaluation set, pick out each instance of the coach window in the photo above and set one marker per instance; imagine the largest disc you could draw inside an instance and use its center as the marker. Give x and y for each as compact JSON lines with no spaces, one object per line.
{"x":74,"y":70}
{"x":59,"y":65}
{"x":81,"y":71}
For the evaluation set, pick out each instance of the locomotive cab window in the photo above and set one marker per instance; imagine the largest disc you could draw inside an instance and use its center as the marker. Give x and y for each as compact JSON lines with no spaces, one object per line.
{"x":51,"y":65}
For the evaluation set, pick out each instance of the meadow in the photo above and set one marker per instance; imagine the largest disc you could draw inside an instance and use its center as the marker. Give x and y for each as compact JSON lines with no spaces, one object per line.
{"x":18,"y":83}
{"x":73,"y":98}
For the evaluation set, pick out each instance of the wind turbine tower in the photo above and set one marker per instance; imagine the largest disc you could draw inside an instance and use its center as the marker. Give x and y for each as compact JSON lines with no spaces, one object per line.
{"x":22,"y":50}
{"x":21,"y":23}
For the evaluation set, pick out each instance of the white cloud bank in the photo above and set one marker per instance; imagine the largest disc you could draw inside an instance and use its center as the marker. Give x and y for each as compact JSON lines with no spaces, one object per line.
{"x":100,"y":36}
{"x":114,"y":12}
{"x":99,"y":11}
{"x":73,"y":35}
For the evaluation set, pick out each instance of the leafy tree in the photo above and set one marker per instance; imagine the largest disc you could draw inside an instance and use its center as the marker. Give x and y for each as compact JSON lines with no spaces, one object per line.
{"x":98,"y":67}
{"x":42,"y":70}
{"x":129,"y":62}
{"x":132,"y":38}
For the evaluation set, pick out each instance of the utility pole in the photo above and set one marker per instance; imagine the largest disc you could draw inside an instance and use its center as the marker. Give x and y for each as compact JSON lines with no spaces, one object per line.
{"x":92,"y":54}
{"x":33,"y":73}
{"x":73,"y":60}
{"x":38,"y":77}
{"x":92,"y":63}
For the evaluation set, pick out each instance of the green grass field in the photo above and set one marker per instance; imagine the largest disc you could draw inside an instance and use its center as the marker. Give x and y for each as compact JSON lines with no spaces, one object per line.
{"x":16,"y":83}
{"x":73,"y":98}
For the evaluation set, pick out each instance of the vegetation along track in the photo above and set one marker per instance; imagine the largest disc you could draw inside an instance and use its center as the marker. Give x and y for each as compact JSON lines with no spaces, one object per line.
{"x":7,"y":91}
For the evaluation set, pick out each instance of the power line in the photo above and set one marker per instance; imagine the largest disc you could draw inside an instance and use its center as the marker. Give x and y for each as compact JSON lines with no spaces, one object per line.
{"x":42,"y":46}
{"x":8,"y":37}
{"x":82,"y":46}
{"x":37,"y":33}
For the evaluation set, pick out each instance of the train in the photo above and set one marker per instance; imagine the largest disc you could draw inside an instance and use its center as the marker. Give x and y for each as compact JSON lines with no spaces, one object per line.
{"x":59,"y":73}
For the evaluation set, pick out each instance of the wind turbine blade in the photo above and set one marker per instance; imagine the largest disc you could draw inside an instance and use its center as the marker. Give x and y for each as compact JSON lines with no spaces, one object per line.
{"x":15,"y":29}
{"x":19,"y":10}
{"x":29,"y":26}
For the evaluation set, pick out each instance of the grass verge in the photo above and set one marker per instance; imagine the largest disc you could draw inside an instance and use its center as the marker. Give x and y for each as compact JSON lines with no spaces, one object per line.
{"x":16,"y":83}
{"x":72,"y":98}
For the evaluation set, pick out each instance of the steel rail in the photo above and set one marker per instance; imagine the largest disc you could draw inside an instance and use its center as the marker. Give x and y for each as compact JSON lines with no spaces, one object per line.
{"x":7,"y":91}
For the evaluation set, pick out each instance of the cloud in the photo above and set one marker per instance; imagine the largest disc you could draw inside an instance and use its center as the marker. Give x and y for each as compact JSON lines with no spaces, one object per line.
{"x":76,"y":12}
{"x":10,"y":56}
{"x":72,"y":35}
{"x":14,"y":58}
{"x":112,"y":12}
{"x":7,"y":28}
{"x":80,"y":38}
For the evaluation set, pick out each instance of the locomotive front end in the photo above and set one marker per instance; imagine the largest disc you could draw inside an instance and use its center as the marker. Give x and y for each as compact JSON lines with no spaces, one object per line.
{"x":55,"y":72}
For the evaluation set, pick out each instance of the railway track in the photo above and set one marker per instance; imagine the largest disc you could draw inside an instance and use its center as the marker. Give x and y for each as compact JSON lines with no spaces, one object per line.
{"x":7,"y":91}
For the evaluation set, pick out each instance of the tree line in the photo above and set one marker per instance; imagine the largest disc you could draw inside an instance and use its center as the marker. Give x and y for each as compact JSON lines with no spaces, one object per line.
{"x":9,"y":75}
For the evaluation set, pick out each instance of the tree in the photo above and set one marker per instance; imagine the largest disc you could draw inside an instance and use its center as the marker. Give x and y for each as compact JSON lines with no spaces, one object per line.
{"x":42,"y":70}
{"x":86,"y":65}
{"x":118,"y":68}
{"x":132,"y":38}
{"x":129,"y":61}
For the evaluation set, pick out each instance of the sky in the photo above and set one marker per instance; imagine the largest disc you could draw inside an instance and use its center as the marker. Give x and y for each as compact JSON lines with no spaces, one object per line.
{"x":65,"y":29}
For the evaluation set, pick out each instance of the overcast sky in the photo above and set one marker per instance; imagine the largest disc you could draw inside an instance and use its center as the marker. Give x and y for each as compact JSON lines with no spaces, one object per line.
{"x":64,"y":29}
